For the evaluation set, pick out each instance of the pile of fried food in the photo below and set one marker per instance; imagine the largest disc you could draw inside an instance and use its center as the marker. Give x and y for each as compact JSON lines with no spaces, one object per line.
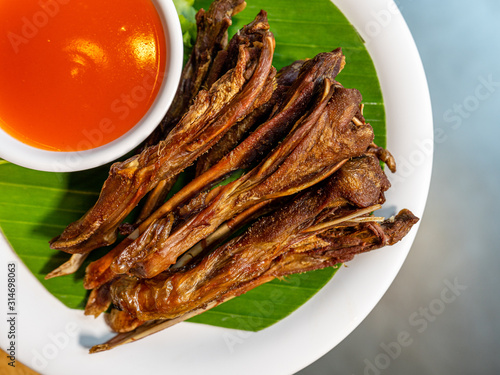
{"x":312,"y":180}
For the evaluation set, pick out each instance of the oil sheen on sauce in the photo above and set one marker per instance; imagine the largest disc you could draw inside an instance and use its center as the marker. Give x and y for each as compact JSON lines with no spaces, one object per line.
{"x":78,"y":74}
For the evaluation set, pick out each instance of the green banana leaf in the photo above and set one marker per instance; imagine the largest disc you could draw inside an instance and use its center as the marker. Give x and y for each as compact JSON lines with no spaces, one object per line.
{"x":36,"y":206}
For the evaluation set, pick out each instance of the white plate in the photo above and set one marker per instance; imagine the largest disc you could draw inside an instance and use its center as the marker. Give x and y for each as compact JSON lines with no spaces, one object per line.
{"x":53,"y":339}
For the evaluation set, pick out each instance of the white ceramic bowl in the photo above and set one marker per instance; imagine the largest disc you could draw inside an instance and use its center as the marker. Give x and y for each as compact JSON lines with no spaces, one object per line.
{"x":52,"y":161}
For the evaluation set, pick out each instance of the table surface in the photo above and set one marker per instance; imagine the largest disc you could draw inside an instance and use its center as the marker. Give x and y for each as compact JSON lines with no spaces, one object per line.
{"x":20,"y":369}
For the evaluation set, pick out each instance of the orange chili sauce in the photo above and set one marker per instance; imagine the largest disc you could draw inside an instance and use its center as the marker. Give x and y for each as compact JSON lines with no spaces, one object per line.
{"x":77,"y":74}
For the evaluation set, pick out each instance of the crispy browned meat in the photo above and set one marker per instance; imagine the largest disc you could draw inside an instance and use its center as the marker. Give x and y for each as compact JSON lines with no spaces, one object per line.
{"x":360,"y":170}
{"x":356,"y":239}
{"x":291,"y":103}
{"x":287,"y":111}
{"x":263,"y":107}
{"x":263,"y":110}
{"x":238,"y":131}
{"x":223,"y":62}
{"x":250,"y":255}
{"x":211,"y":41}
{"x":121,"y":321}
{"x":210,"y":116}
{"x":337,"y":245}
{"x":309,"y":154}
{"x":155,"y":199}
{"x":362,"y":195}
{"x":341,"y":244}
{"x":99,"y":300}
{"x":211,"y":38}
{"x":227,"y":229}
{"x":384,"y":155}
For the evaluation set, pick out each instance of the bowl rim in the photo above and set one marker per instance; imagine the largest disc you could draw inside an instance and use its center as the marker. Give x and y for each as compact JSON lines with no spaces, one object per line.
{"x":17,"y":152}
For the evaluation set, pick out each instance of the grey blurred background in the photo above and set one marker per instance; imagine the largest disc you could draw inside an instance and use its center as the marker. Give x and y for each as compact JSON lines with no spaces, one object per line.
{"x":446,"y":330}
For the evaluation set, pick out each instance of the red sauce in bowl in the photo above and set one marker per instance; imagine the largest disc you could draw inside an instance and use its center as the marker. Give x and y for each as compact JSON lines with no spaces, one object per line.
{"x":78,"y":74}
